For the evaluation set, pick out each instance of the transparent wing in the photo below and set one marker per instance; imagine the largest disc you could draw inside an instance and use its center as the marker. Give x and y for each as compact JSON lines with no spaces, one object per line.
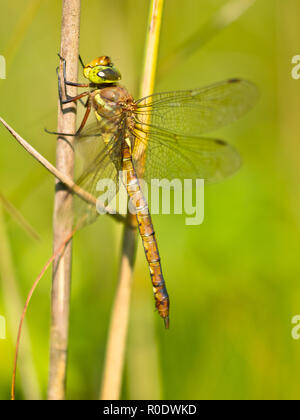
{"x":198,"y":111}
{"x":98,"y":157}
{"x":170,"y":156}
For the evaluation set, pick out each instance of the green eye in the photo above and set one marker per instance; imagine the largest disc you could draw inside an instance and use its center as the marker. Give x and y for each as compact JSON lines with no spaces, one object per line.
{"x":102,"y":74}
{"x":109,"y":74}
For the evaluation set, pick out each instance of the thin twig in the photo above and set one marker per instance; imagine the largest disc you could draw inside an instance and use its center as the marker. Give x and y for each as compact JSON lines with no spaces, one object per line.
{"x":116,"y":345}
{"x":66,"y":180}
{"x":61,"y":278}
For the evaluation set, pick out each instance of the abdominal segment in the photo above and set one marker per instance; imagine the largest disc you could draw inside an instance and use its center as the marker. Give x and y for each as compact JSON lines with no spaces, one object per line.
{"x":147,"y":234}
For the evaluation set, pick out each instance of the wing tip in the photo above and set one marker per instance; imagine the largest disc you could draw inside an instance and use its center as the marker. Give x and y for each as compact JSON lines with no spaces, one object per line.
{"x":234,"y":80}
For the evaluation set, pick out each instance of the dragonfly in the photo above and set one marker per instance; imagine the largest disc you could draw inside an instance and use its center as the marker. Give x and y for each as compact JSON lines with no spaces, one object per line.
{"x":159,"y":136}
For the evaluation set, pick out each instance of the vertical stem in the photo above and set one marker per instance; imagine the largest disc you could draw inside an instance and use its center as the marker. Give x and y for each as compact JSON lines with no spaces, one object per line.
{"x":61,"y":278}
{"x":151,"y":50}
{"x":116,"y":345}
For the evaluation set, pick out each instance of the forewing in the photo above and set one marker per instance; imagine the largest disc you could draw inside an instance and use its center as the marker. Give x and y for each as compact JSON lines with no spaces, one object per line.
{"x":197,"y":111}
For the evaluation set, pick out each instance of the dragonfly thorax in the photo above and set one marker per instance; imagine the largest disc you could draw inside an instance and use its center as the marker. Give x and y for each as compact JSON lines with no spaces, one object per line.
{"x":112,"y":103}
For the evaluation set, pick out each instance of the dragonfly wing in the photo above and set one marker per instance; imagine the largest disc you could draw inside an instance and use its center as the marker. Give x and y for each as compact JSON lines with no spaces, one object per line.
{"x":98,"y":159}
{"x":170,"y":156}
{"x":198,"y":111}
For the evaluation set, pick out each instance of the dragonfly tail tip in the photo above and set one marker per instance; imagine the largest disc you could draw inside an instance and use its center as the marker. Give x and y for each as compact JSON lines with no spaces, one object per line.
{"x":167,"y":322}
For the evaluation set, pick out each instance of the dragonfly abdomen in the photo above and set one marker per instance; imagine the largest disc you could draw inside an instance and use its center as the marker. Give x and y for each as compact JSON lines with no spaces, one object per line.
{"x":152,"y":255}
{"x":147,"y":234}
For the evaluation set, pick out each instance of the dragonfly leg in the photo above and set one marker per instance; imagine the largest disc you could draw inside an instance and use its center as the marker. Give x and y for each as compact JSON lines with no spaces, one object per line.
{"x":84,"y":120}
{"x":66,"y":82}
{"x":63,"y":90}
{"x":57,"y":133}
{"x":74,"y":98}
{"x":81,"y":62}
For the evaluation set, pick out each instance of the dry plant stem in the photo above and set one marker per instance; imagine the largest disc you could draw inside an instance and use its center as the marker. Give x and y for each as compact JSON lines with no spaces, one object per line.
{"x":55,"y":255}
{"x":61,"y":278}
{"x":89,"y":198}
{"x":116,"y":345}
{"x":151,"y":48}
{"x":113,"y":368}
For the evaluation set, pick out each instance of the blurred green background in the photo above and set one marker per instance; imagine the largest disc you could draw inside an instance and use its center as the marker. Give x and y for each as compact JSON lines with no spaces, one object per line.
{"x":233,"y":281}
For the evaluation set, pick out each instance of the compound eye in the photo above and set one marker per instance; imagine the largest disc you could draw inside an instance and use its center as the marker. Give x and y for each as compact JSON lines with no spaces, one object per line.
{"x":109,"y":74}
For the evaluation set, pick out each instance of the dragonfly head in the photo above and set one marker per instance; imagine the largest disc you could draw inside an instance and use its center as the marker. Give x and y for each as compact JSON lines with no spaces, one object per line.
{"x":101,"y":71}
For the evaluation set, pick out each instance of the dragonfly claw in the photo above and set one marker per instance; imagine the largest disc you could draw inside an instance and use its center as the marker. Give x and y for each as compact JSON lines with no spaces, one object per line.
{"x":61,"y":58}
